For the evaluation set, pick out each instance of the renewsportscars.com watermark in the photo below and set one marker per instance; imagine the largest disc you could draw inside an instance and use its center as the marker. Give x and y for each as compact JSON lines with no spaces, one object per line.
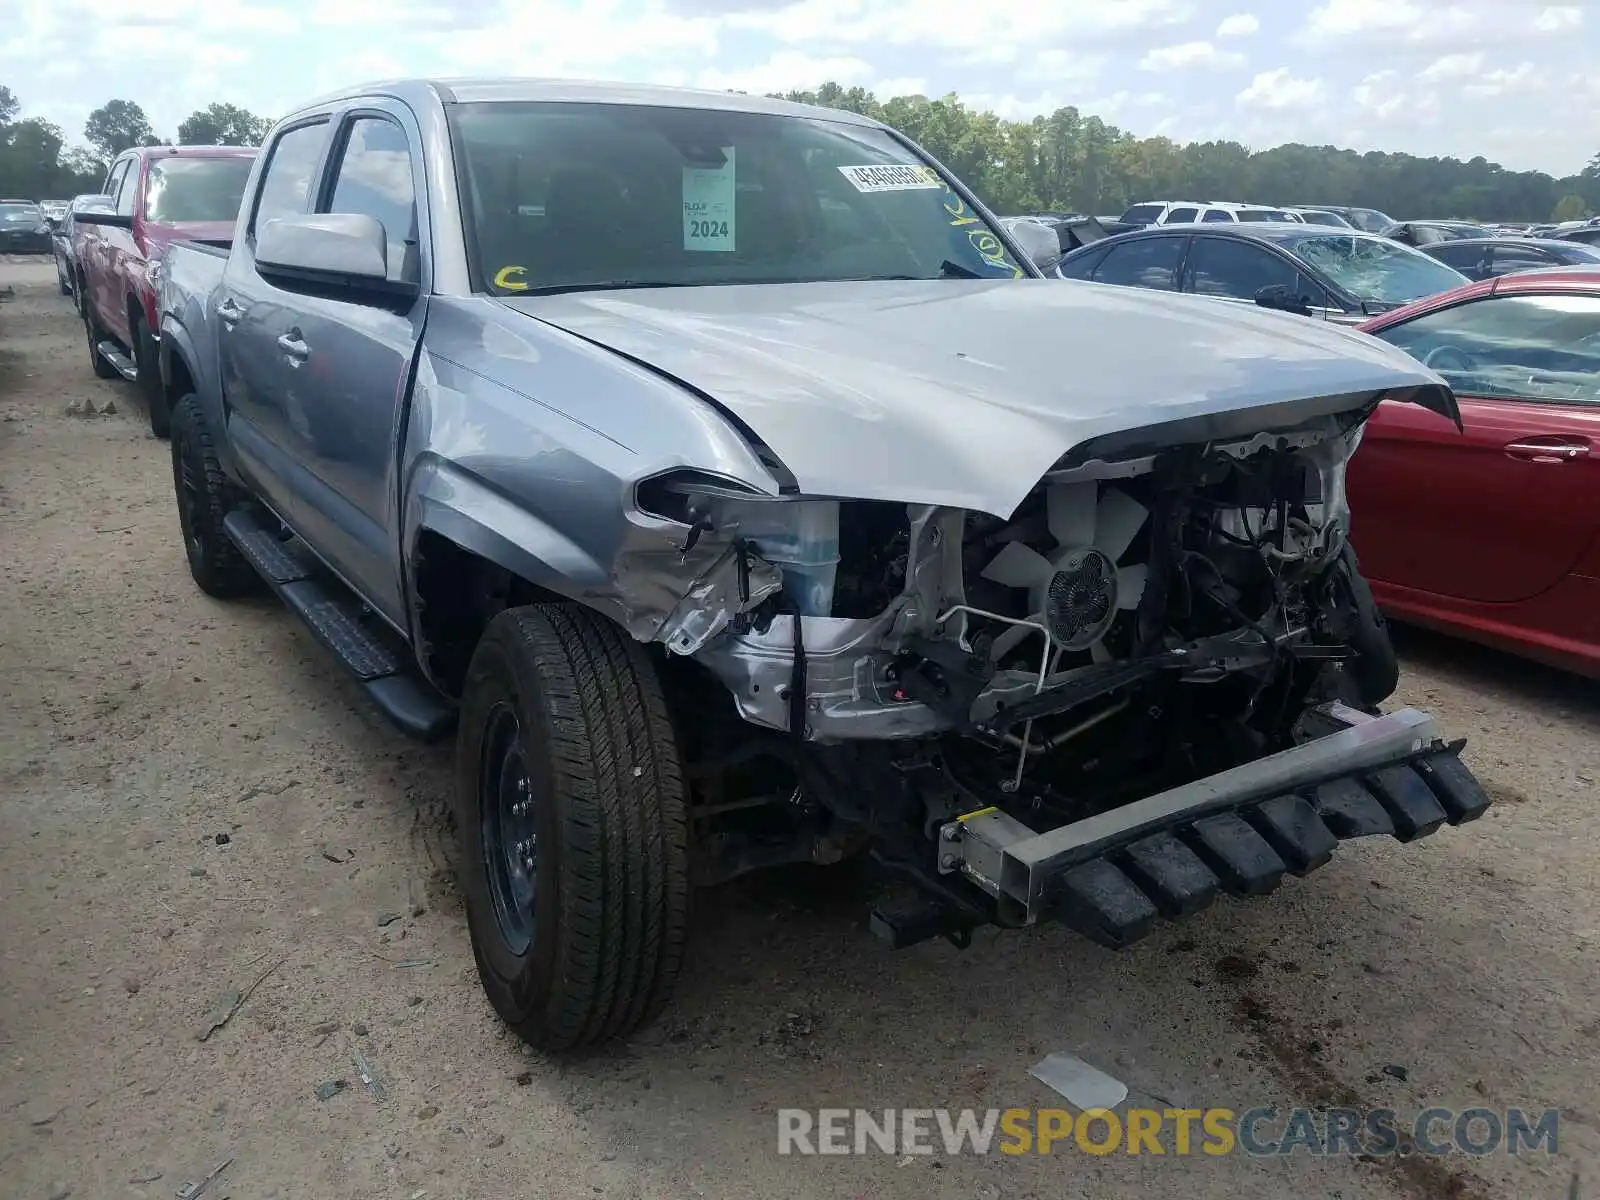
{"x":1255,"y":1132}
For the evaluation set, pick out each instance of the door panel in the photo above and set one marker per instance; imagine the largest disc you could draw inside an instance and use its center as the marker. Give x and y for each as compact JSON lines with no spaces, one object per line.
{"x":1502,"y":512}
{"x":1458,"y":514}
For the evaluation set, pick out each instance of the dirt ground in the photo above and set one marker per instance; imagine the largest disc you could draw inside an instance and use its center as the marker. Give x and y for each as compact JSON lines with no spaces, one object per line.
{"x":194,"y":800}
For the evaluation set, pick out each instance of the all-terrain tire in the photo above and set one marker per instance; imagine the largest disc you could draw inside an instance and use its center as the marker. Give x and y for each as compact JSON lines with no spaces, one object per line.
{"x":155,"y":396}
{"x":610,"y":890}
{"x":205,"y":496}
{"x":91,"y":331}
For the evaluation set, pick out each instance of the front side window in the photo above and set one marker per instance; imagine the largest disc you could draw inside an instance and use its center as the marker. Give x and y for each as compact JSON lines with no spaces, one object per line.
{"x":1181,"y":216}
{"x":195,"y":189}
{"x":127,"y":194}
{"x":1529,"y":347}
{"x":1217,"y":214}
{"x":374,"y":178}
{"x":572,"y":196}
{"x":1376,"y":270}
{"x":1220,"y":266}
{"x":1509,"y":259}
{"x":1149,"y":262}
{"x":287,"y":180}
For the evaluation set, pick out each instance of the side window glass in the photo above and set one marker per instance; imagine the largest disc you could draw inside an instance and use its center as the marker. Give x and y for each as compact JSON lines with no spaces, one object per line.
{"x":1529,"y":347}
{"x":1314,"y":294}
{"x":1515,"y":258}
{"x":287,"y":181}
{"x":114,"y":178}
{"x":1216,"y":214}
{"x":1149,"y":262}
{"x":1082,"y":268}
{"x":374,"y":178}
{"x":128,"y":191}
{"x":1225,"y":267}
{"x":1180,"y":216}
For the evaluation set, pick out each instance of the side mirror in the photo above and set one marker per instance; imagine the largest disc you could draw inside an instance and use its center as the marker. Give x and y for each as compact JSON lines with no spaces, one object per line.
{"x":338,"y":252}
{"x":1039,"y":242}
{"x":95,"y":216}
{"x":1283,"y":298}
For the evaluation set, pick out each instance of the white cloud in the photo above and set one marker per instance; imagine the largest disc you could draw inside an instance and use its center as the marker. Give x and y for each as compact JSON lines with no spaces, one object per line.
{"x":1279,"y":89}
{"x":1452,"y":67}
{"x":1524,"y":77}
{"x":1189,"y":54}
{"x":786,"y":71}
{"x":1238,"y":25}
{"x":1560,"y":19}
{"x":900,"y":85}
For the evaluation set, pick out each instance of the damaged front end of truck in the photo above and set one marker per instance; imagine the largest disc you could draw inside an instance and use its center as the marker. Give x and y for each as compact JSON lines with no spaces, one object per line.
{"x":1154,"y":681}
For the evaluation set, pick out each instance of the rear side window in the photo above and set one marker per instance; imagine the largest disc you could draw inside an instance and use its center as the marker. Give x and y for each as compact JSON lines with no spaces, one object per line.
{"x":1515,"y":258}
{"x":374,"y":178}
{"x":1150,"y":262}
{"x":1143,"y":214}
{"x":1225,"y":267}
{"x":1218,"y":214}
{"x":287,"y":180}
{"x":1083,"y":267}
{"x":1179,"y":216}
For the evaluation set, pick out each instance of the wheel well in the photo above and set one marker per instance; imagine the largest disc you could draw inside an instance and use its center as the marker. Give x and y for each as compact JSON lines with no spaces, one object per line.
{"x":181,"y":382}
{"x":457,"y":593}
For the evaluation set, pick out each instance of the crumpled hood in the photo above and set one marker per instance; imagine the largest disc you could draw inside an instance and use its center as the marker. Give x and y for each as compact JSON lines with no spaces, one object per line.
{"x":964,"y":393}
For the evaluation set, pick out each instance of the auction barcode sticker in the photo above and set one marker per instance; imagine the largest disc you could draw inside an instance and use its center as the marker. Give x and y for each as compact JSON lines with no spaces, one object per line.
{"x":891,"y":177}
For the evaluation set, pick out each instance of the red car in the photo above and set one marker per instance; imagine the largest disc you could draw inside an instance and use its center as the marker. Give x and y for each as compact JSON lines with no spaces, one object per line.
{"x":161,"y":194}
{"x":1492,"y":533}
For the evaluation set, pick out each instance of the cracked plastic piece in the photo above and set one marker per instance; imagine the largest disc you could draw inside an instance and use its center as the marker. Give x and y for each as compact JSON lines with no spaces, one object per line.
{"x":1408,"y":800}
{"x":1292,"y":828}
{"x":1459,"y":793}
{"x":1102,"y":903}
{"x":1350,"y":810}
{"x":1239,"y":856}
{"x":1171,"y":874}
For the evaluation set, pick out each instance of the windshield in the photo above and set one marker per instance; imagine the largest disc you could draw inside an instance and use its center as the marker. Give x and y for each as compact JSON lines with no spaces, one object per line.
{"x":1376,"y":269}
{"x":573,"y":196}
{"x":18,"y":212}
{"x":195,"y":189}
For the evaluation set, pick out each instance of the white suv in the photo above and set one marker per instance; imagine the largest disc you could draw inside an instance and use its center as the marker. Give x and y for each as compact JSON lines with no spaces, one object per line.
{"x":1225,"y":211}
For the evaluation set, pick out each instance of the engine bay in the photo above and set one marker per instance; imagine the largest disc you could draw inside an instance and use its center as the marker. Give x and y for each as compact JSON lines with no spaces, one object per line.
{"x":1133,"y":626}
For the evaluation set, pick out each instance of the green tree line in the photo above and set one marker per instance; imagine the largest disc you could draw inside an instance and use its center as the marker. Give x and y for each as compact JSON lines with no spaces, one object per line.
{"x":1063,"y":161}
{"x":1073,"y":162}
{"x":36,"y":163}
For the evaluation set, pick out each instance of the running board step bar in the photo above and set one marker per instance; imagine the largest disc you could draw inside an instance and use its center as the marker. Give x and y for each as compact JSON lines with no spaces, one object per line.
{"x":125,"y":366}
{"x":1238,"y":832}
{"x":360,"y":640}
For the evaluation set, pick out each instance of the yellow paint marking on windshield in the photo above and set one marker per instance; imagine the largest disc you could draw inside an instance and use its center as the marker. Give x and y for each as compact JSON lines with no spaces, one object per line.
{"x":510,"y":279}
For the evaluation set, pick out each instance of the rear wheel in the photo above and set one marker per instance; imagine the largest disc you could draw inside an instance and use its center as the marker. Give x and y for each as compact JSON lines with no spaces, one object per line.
{"x":574,"y":835}
{"x":205,"y":496}
{"x":91,"y":330}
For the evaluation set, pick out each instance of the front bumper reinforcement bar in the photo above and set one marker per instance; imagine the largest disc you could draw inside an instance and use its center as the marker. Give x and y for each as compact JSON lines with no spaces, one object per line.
{"x":1239,"y":831}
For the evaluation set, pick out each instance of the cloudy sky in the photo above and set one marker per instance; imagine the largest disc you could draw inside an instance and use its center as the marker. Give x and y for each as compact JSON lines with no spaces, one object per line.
{"x":1512,"y":80}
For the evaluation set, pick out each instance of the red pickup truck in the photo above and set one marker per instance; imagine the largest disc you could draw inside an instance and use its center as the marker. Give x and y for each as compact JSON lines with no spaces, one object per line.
{"x":162,"y":194}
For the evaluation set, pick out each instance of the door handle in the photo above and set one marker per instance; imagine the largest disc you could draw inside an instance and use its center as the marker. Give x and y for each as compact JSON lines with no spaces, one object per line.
{"x":229,"y":313}
{"x":1548,"y":450}
{"x":292,"y":345}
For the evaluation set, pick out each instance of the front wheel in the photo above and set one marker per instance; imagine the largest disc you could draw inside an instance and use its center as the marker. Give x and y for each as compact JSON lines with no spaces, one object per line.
{"x":574,"y":832}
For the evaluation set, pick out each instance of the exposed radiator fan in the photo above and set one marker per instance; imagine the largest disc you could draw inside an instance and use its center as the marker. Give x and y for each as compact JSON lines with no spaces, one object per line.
{"x":1076,"y":590}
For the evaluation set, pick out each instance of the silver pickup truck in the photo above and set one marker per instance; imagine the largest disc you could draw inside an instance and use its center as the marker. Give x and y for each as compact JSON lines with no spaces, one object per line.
{"x":738,"y":493}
